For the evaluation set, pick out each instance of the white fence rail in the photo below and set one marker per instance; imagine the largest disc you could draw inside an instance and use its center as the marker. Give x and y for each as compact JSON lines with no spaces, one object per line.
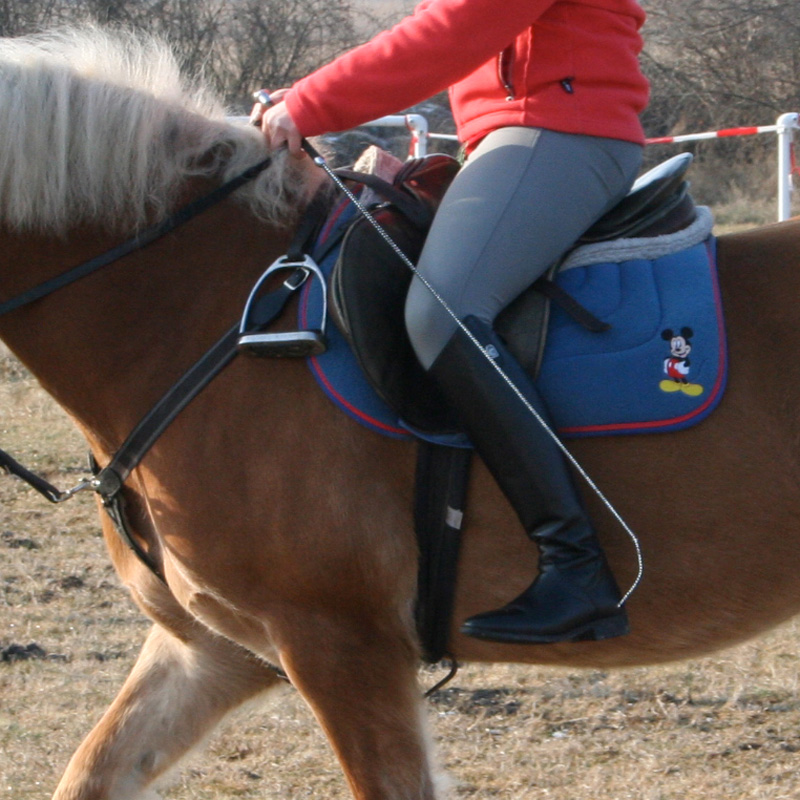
{"x":784,"y":128}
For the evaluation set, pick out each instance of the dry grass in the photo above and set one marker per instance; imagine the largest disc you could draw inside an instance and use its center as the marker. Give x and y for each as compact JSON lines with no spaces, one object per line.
{"x":726,"y":728}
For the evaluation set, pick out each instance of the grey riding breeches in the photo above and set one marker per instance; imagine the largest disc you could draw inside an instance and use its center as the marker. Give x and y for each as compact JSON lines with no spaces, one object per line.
{"x":523,"y":198}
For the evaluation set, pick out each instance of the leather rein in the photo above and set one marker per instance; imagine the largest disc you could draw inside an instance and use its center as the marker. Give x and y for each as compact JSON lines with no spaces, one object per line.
{"x":108,"y":481}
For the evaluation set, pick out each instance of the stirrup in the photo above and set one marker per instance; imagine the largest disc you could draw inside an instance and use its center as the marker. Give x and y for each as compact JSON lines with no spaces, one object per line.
{"x":284,"y":344}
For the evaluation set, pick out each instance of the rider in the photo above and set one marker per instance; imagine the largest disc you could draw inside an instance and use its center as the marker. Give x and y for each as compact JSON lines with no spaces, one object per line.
{"x":546,"y":96}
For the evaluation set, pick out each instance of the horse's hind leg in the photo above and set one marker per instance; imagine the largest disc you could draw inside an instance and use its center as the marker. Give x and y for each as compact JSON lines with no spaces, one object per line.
{"x":175,"y":694}
{"x":360,"y":680}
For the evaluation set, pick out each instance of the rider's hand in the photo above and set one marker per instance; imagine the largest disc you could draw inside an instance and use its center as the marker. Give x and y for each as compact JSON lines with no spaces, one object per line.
{"x":277,"y":124}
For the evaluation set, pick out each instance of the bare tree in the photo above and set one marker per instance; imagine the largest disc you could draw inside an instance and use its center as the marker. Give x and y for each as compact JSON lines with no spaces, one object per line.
{"x":719,"y":62}
{"x":711,"y":63}
{"x":237,"y":45}
{"x":275,"y":42}
{"x":723,"y":63}
{"x":17,"y":17}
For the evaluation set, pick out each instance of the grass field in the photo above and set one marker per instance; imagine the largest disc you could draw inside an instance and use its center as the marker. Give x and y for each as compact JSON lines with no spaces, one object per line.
{"x":723,"y":728}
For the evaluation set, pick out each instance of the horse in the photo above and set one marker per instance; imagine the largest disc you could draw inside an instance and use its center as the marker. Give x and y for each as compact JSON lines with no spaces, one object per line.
{"x":282,"y":529}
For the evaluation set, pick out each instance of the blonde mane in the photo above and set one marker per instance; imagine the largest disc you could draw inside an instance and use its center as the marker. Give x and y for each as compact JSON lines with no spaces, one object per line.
{"x":100,"y":127}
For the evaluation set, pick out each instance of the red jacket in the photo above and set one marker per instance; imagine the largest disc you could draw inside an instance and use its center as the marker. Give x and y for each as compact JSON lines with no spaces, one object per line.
{"x":566,"y":65}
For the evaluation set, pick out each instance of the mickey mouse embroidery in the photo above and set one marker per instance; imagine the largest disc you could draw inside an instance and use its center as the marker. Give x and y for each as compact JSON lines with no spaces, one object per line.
{"x":677,"y":364}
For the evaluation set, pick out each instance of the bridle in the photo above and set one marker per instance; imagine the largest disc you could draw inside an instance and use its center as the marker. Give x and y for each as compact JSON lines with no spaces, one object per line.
{"x":108,"y":481}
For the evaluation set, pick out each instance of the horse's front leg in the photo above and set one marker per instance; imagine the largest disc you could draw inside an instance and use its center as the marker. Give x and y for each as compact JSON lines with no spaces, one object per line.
{"x":177,"y":691}
{"x":360,"y":680}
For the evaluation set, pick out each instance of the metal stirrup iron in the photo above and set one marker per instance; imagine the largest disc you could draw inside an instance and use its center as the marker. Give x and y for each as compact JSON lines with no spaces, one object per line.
{"x":284,"y":344}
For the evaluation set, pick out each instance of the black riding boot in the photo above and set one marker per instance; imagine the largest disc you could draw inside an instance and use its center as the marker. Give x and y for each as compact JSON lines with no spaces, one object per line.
{"x":575,"y":596}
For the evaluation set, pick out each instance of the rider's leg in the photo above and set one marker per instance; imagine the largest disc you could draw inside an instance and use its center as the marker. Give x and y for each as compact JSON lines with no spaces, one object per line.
{"x":522,"y":200}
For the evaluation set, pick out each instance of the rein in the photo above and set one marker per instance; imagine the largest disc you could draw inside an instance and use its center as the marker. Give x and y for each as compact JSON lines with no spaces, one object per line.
{"x":137,"y":242}
{"x":108,"y":481}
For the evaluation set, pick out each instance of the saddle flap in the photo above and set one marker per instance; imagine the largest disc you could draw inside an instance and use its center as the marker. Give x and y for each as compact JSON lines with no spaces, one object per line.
{"x":369,"y":286}
{"x":368,"y":290}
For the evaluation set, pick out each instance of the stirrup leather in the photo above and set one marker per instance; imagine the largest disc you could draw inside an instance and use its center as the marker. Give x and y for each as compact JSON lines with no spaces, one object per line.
{"x":284,"y":344}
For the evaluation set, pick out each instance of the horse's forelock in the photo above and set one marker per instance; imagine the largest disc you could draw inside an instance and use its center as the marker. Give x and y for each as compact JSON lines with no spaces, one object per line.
{"x":99,"y":126}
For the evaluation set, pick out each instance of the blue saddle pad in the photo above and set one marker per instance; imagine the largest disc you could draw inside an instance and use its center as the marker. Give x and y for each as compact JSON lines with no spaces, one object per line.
{"x":660,"y":367}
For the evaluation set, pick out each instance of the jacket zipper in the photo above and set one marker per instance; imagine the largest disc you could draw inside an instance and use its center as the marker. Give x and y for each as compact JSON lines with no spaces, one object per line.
{"x":505,"y":70}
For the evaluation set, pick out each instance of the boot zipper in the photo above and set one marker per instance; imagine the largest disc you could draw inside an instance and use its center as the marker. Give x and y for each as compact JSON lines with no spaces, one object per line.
{"x":505,"y":69}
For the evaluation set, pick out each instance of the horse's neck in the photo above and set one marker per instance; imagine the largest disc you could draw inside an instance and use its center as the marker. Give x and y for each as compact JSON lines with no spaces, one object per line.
{"x":109,"y":345}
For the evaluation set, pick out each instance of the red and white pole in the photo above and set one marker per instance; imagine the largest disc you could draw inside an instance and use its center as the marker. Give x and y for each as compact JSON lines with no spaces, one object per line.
{"x":721,"y":134}
{"x":785,"y":127}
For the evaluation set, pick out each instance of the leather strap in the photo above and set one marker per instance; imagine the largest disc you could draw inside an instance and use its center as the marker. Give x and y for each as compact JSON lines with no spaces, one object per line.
{"x":440,"y":497}
{"x":570,"y":306}
{"x":155,"y":422}
{"x":12,"y":467}
{"x":137,"y":242}
{"x":416,"y":212}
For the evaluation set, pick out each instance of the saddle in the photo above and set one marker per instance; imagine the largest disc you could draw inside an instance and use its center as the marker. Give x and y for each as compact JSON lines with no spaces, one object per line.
{"x":370,"y":281}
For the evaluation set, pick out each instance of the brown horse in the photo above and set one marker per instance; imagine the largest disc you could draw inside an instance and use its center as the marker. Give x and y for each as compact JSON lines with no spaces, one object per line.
{"x":284,"y":529}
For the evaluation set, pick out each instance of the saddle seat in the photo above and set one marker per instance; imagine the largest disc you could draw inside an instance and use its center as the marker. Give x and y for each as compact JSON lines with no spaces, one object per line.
{"x":658,"y":203}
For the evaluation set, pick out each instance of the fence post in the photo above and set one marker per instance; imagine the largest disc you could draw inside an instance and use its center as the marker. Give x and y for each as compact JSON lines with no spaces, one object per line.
{"x":418,"y":127}
{"x":786,"y":125}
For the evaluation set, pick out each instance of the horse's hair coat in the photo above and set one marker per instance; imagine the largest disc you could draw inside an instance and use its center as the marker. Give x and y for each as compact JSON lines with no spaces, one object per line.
{"x":101,"y":127}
